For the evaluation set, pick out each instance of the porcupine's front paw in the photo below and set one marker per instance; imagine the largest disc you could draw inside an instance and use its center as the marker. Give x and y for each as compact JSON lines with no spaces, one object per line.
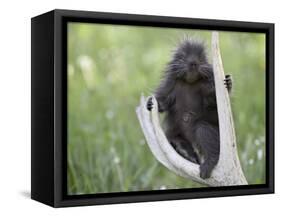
{"x":228,"y":82}
{"x":149,"y":104}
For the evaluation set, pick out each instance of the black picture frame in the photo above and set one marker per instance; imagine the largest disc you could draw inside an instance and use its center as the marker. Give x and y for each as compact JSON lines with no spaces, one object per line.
{"x":49,"y":107}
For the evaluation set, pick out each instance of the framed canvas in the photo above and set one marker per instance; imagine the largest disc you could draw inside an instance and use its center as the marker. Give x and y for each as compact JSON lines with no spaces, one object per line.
{"x":134,"y":108}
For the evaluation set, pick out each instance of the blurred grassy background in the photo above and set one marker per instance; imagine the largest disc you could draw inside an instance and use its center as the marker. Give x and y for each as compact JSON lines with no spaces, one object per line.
{"x":109,"y":67}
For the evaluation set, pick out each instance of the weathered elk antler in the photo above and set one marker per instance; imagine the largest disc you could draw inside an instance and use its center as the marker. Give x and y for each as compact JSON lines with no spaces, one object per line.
{"x":228,"y":170}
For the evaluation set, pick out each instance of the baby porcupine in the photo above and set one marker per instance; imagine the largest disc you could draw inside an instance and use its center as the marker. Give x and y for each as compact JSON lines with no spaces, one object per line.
{"x":187,"y":95}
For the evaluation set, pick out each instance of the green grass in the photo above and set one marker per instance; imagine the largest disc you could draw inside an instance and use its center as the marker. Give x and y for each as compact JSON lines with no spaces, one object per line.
{"x":109,"y":67}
